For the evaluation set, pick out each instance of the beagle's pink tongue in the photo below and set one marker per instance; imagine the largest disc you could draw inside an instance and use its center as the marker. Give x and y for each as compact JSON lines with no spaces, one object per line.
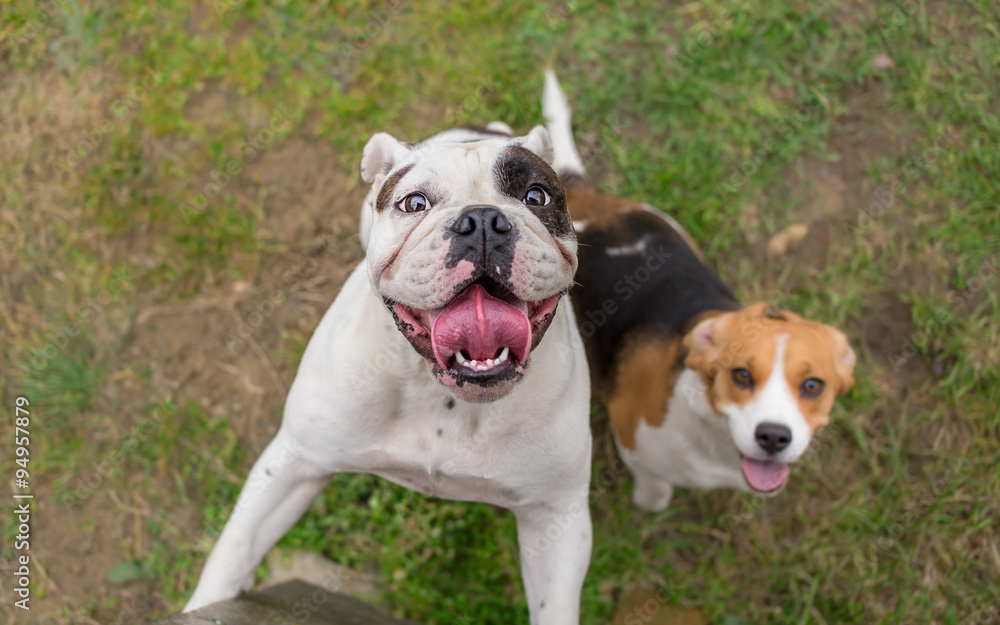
{"x":764,"y":475}
{"x":479,"y":325}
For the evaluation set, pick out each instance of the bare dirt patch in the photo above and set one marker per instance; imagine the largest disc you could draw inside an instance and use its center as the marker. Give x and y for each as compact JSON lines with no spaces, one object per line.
{"x":222,"y":349}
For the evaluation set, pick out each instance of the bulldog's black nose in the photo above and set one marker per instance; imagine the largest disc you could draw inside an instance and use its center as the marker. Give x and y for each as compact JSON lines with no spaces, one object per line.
{"x":482,"y":220}
{"x":485,"y":237}
{"x":772,"y":437}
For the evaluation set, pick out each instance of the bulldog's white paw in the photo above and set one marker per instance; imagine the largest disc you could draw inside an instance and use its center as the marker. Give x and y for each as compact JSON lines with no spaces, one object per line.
{"x":206,"y":596}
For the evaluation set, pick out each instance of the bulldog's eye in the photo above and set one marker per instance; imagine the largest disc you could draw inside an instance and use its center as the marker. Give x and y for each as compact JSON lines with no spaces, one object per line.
{"x":812,"y":387}
{"x":536,"y":196}
{"x":414,"y":203}
{"x":742,"y":378}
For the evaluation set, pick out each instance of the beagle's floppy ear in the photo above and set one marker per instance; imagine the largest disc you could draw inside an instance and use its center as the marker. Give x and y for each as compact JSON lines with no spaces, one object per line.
{"x":844,"y":360}
{"x":539,"y":142}
{"x":757,"y":309}
{"x":704,"y":344}
{"x":382,"y":153}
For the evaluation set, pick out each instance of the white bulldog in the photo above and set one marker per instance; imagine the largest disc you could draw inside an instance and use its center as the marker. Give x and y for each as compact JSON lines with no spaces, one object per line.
{"x":430,"y":367}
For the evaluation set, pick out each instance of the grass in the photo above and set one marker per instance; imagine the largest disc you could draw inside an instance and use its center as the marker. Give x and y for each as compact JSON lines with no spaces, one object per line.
{"x":736,"y":118}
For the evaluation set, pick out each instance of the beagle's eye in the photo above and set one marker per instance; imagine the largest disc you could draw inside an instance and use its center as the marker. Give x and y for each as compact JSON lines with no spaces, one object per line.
{"x":536,"y":196}
{"x":414,"y":203}
{"x":812,"y":387}
{"x":742,"y":378}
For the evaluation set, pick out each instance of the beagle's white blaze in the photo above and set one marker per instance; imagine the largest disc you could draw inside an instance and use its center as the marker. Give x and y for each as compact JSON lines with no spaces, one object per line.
{"x":774,"y":403}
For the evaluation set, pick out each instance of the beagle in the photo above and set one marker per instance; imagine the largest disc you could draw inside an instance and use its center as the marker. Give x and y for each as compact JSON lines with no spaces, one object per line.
{"x":701,"y":392}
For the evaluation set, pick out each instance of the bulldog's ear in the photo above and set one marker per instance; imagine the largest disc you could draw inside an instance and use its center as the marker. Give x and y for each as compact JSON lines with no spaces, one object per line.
{"x":381,"y":154}
{"x":844,"y":360}
{"x":537,"y":141}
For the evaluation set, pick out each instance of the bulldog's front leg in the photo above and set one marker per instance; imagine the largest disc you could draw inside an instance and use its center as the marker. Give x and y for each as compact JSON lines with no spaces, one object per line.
{"x":555,"y":541}
{"x":277,"y":492}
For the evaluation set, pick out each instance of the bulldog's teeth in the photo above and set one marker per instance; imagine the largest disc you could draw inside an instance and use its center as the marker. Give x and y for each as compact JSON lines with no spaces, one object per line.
{"x":481,"y":365}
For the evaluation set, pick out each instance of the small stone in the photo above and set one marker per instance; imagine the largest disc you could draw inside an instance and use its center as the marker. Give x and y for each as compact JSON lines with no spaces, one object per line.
{"x":883,"y":61}
{"x":796,"y":232}
{"x":777,"y":245}
{"x":787,"y":239}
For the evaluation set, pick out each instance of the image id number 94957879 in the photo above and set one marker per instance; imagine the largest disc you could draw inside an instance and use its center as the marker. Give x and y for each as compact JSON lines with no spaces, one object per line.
{"x":22,"y":508}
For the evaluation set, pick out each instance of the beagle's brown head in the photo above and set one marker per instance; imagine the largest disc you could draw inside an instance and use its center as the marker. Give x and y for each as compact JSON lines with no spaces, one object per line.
{"x":773,"y":376}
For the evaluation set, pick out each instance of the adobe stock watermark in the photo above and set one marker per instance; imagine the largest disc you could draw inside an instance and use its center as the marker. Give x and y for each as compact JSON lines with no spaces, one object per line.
{"x":220,"y":179}
{"x":693,"y":47}
{"x":121,"y":109}
{"x":988,"y":615}
{"x":627,"y":286}
{"x":378,"y":365}
{"x":256,"y":483}
{"x":645,"y":612}
{"x":221,"y":7}
{"x":559,"y":14}
{"x":957,"y":300}
{"x":47,"y":11}
{"x":789,"y":126}
{"x":900,"y":15}
{"x":305,"y":607}
{"x":884,"y":197}
{"x":610,"y":131}
{"x":110,"y":465}
{"x":462,"y":618}
{"x":892,"y":531}
{"x":374,"y":28}
{"x":474,"y":101}
{"x":264,"y":308}
{"x":470,"y":105}
{"x":555,"y":529}
{"x":737,"y":522}
{"x":750,"y":330}
{"x":40,"y":357}
{"x":610,"y":475}
{"x":129,"y":614}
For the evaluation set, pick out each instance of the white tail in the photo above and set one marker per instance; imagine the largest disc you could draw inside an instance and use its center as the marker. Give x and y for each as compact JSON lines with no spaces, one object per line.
{"x":557,"y":114}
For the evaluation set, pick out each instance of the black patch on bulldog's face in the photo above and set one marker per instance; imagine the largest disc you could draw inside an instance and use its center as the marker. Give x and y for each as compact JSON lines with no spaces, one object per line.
{"x":384,"y":199}
{"x":517,"y":170}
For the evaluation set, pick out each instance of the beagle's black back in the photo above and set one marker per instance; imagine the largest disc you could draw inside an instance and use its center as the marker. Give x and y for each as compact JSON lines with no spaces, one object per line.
{"x":638,"y":280}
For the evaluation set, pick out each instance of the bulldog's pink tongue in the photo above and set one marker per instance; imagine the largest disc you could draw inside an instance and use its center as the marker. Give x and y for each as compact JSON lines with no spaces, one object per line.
{"x":479,"y":325}
{"x":764,"y":475}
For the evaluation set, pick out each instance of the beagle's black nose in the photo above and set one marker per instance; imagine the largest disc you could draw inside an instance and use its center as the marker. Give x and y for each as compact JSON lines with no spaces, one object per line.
{"x":773,"y":437}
